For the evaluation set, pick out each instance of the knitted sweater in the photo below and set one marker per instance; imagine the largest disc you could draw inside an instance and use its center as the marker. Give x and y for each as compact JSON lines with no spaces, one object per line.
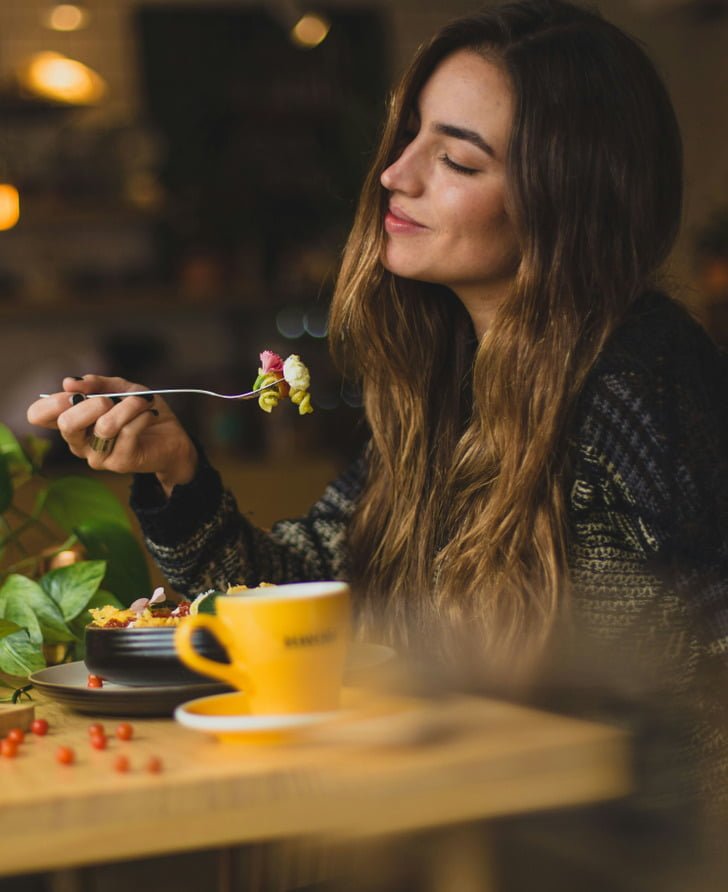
{"x":647,"y":501}
{"x":647,"y":497}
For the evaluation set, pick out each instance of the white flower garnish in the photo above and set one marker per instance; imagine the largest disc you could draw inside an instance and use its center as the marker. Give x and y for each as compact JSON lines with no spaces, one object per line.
{"x":296,"y":373}
{"x":141,"y":604}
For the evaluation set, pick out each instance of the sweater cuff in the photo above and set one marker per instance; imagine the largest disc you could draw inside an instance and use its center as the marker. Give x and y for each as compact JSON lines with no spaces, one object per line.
{"x":172,"y":521}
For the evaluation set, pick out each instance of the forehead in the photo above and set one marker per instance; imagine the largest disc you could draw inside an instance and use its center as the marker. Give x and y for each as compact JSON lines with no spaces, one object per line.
{"x":471,"y":92}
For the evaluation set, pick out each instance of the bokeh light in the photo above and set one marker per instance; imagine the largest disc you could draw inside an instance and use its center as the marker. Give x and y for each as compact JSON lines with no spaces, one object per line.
{"x":352,"y":395}
{"x":310,"y":30}
{"x":289,"y":323}
{"x":9,"y":206}
{"x":54,"y":76}
{"x":316,"y":322}
{"x":66,"y":17}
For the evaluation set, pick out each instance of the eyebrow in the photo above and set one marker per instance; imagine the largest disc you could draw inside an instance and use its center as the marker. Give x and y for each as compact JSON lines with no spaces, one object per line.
{"x":468,"y":135}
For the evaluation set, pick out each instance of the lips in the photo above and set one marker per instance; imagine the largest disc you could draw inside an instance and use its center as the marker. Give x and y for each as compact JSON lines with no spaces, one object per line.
{"x":396,"y":221}
{"x":400,"y":215}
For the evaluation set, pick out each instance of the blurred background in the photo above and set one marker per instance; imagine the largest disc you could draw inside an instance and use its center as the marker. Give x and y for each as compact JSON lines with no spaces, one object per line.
{"x":177,"y":180}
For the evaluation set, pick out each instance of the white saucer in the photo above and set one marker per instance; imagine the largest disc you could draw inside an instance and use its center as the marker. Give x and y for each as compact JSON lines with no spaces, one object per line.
{"x":226,"y":716}
{"x":365,"y":717}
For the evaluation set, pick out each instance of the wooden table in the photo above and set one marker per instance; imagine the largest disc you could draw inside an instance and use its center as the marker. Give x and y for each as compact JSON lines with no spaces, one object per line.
{"x":455,"y":760}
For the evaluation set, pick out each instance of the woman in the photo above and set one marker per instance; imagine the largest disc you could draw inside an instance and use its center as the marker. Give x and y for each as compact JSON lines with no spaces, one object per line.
{"x":548,"y":437}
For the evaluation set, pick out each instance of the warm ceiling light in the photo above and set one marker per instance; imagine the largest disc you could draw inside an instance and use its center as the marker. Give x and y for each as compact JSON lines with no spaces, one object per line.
{"x":9,"y":206}
{"x":56,"y":77}
{"x":310,"y":30}
{"x":66,"y":17}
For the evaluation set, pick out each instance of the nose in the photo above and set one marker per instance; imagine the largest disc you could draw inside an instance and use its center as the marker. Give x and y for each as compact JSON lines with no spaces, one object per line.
{"x":403,"y":175}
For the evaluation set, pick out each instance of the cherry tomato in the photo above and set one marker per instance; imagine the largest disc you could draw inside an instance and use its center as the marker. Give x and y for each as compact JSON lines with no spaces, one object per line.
{"x":154,"y":765}
{"x":95,"y":681}
{"x":65,"y":755}
{"x":121,"y":763}
{"x":8,"y":748}
{"x":124,"y":731}
{"x":96,"y":728}
{"x":16,"y":734}
{"x":39,"y":727}
{"x":98,"y":741}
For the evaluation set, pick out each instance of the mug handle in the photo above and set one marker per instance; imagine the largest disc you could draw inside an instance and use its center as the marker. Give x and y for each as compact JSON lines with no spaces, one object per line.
{"x":235,"y":676}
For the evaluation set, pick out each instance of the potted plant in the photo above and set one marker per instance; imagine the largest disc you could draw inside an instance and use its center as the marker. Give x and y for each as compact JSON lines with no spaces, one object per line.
{"x":66,"y":544}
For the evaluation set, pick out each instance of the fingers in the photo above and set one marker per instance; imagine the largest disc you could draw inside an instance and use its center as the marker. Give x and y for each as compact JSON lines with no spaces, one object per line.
{"x":120,"y":435}
{"x":75,"y":421}
{"x":108,"y":433}
{"x":103,"y":417}
{"x":46,"y":412}
{"x":99,"y":384}
{"x":127,"y":454}
{"x":110,"y":423}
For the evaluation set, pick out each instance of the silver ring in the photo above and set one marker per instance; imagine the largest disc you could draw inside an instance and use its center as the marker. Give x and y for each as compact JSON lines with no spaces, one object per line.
{"x":102,"y":445}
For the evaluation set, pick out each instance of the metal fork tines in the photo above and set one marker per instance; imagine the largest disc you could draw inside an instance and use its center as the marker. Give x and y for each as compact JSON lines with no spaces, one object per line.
{"x":248,"y":395}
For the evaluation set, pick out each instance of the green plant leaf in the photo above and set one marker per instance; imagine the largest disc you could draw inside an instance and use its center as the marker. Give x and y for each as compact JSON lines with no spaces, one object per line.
{"x":102,"y":598}
{"x":13,"y":451}
{"x":72,"y":501}
{"x":37,"y":449}
{"x":73,"y":587}
{"x":19,"y":655}
{"x":14,"y":606}
{"x":127,"y":572}
{"x":6,"y":485}
{"x":207,"y":604}
{"x":50,"y":619}
{"x":7,"y":627}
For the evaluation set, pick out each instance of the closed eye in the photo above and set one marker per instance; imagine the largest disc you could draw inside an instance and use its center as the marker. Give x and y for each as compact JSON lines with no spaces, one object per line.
{"x":458,"y":168}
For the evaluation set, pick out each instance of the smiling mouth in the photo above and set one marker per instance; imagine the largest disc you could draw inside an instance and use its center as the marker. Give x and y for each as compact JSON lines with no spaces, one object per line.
{"x":396,"y":221}
{"x":399,"y":214}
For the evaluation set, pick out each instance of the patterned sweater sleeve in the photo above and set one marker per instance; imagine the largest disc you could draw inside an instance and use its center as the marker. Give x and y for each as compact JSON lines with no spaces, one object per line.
{"x":200,"y":540}
{"x":651,"y":492}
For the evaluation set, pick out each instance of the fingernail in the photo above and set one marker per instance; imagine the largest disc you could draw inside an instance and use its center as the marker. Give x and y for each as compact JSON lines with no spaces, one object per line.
{"x":76,"y":399}
{"x":146,"y":396}
{"x":154,"y":412}
{"x":115,"y":399}
{"x":75,"y":377}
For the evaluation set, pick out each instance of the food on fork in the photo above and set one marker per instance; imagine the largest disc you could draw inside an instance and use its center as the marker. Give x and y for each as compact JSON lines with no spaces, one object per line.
{"x":293,"y":380}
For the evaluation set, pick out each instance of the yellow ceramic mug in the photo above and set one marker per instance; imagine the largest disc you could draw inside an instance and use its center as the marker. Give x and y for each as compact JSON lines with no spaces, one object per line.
{"x":286,"y":644}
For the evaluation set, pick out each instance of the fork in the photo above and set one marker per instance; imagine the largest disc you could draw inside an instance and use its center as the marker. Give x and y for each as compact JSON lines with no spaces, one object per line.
{"x":248,"y":395}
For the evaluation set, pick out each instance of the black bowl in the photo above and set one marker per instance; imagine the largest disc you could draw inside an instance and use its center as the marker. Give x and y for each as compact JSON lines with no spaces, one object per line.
{"x":146,"y":656}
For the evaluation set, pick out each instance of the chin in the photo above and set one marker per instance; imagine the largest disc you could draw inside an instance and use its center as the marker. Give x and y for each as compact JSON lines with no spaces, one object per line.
{"x":404,"y":270}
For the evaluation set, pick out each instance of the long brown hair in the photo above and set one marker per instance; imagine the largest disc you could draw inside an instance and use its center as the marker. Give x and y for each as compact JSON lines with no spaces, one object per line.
{"x":463,"y":520}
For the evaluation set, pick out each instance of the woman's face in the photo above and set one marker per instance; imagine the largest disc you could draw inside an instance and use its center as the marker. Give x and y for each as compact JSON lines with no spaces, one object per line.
{"x":447,"y":221}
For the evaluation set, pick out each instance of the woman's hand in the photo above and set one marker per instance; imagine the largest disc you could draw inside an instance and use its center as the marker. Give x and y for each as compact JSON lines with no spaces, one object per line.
{"x":130,"y":435}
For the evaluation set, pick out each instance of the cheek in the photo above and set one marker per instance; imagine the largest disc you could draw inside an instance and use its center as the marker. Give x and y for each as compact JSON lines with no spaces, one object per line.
{"x":476,"y":209}
{"x":482,"y":224}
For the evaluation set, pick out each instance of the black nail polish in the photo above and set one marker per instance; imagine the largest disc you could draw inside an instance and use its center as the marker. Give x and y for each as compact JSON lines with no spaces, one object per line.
{"x":75,"y":377}
{"x":146,"y":396}
{"x":77,"y":398}
{"x":115,"y":399}
{"x":155,"y":412}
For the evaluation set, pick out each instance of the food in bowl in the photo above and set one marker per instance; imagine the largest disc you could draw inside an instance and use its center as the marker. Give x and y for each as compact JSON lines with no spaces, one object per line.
{"x":135,"y":645}
{"x":145,"y":612}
